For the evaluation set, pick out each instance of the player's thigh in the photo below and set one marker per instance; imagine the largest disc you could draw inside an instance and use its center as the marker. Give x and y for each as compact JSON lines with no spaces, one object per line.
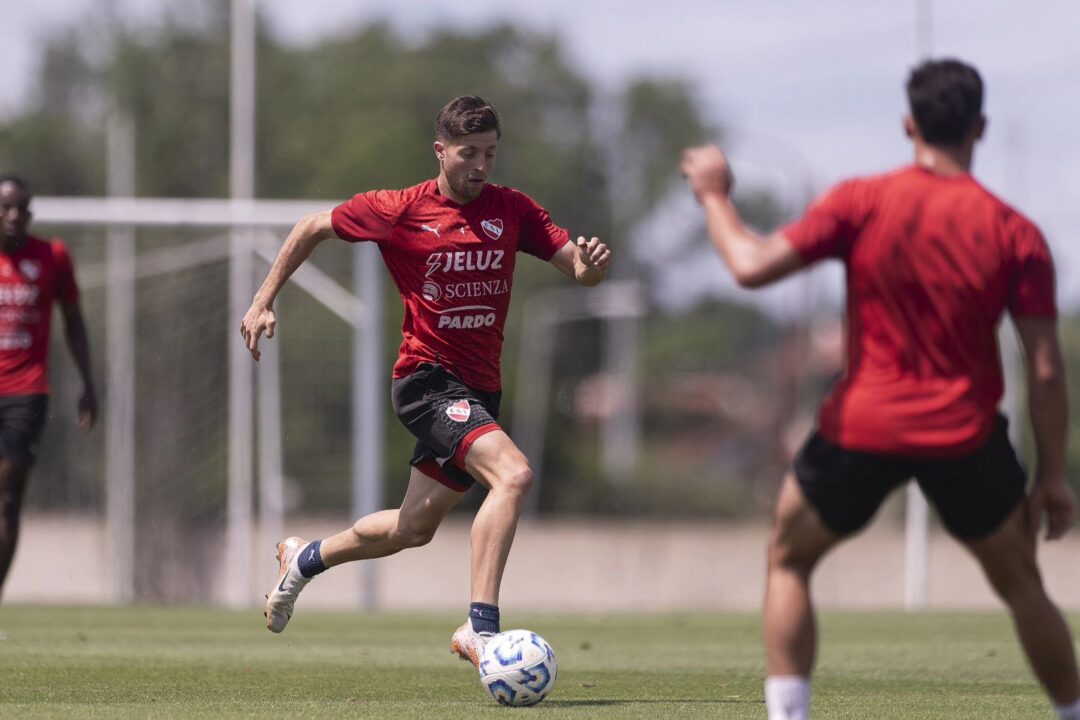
{"x":426,"y":502}
{"x":798,"y":536}
{"x":975,"y":495}
{"x":1007,"y":555}
{"x":494,"y":460}
{"x":22,"y":421}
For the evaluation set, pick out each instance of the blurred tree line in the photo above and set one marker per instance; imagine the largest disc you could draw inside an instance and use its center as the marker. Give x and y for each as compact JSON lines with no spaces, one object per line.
{"x":723,"y":383}
{"x":352,"y":113}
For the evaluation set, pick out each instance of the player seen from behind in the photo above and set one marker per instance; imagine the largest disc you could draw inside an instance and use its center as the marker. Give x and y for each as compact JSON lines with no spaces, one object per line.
{"x":933,"y":260}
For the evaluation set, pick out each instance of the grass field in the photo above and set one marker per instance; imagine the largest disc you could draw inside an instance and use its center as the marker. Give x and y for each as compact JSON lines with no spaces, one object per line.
{"x":204,"y":663}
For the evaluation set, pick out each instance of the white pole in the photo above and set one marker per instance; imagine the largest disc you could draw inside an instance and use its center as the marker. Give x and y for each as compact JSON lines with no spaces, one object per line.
{"x":241,"y":288}
{"x":120,"y":368}
{"x":924,"y":29}
{"x":918,"y":515}
{"x":271,"y":471}
{"x":621,"y":429}
{"x":368,"y":397}
{"x":242,"y":100}
{"x":532,"y":389}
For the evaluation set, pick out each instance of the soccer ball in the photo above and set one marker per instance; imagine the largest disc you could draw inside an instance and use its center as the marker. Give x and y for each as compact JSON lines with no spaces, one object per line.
{"x":518,"y":667}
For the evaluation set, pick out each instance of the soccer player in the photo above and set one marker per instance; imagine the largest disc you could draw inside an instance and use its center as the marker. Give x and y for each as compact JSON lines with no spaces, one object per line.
{"x":33,"y":273}
{"x":450,"y":245}
{"x":933,"y":260}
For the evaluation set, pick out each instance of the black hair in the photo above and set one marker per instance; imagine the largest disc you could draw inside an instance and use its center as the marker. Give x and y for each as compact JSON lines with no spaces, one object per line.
{"x":17,"y":182}
{"x":946,"y":99}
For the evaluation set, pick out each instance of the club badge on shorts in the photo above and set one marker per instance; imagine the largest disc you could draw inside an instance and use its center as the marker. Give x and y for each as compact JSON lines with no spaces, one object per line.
{"x":459,"y":411}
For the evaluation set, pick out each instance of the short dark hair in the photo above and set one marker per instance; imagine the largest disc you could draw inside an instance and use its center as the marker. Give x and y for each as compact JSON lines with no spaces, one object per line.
{"x":17,"y":182}
{"x":465,"y":115}
{"x":946,"y":100}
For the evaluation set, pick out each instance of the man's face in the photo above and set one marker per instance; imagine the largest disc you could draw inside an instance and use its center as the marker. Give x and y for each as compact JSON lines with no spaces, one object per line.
{"x":466,"y":162}
{"x":14,"y":211}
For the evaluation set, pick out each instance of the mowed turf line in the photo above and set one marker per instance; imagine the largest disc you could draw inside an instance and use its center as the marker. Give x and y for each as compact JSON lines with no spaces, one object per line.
{"x":208,"y":663}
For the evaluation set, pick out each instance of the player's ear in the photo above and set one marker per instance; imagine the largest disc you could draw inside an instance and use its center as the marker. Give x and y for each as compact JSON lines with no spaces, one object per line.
{"x":980,"y":127}
{"x":440,"y":149}
{"x":911,"y":130}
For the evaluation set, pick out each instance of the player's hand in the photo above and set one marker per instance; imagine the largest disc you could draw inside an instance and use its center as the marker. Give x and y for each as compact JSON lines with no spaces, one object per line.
{"x":1056,"y":500}
{"x":88,"y":410}
{"x":257,"y":320}
{"x":707,"y":170}
{"x":594,"y":253}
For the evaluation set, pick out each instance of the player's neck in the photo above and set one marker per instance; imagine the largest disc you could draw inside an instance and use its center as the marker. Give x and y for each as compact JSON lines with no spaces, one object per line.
{"x":946,"y":161}
{"x":10,"y":244}
{"x":445,"y":191}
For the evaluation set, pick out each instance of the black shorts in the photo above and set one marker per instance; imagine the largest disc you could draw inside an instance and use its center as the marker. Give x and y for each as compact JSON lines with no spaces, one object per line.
{"x":973,"y":494}
{"x":446,"y":416}
{"x":22,"y":418}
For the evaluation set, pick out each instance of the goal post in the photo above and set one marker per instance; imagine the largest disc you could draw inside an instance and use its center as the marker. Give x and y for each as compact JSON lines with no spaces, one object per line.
{"x":251,"y":232}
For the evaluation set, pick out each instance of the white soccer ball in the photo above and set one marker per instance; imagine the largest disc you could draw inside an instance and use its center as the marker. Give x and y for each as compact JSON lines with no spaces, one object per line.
{"x":518,"y":668}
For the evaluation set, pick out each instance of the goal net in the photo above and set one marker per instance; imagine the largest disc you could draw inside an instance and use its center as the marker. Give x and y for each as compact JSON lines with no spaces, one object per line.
{"x":180,"y":491}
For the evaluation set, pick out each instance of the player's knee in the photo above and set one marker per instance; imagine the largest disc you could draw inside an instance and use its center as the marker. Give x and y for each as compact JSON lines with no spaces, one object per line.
{"x":518,"y":479}
{"x":785,"y":554}
{"x":410,"y":536}
{"x":9,"y":503}
{"x":1016,"y":581}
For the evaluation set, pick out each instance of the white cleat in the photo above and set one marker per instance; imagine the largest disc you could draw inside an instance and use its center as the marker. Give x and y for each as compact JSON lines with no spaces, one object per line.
{"x":280,"y":600}
{"x":468,"y":644}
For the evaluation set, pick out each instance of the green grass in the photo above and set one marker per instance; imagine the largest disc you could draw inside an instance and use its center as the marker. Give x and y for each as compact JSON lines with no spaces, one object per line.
{"x":207,"y":663}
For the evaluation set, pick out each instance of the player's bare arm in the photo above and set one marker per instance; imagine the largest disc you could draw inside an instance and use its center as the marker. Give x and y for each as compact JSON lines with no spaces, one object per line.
{"x":753,"y":261}
{"x":1048,"y":405}
{"x":79,"y":345}
{"x":300,"y":243}
{"x":586,"y":261}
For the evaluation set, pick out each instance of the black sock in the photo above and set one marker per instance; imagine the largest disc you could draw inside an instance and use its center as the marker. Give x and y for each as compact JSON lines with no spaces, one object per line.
{"x":310,"y":561}
{"x":484,"y":618}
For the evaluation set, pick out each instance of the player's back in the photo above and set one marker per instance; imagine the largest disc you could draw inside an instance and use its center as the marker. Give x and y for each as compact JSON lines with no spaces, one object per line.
{"x":932,"y":262}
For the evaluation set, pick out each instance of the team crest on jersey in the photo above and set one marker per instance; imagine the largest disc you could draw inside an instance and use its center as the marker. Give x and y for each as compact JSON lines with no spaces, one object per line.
{"x":30,"y":269}
{"x":492,"y":228}
{"x":459,"y":411}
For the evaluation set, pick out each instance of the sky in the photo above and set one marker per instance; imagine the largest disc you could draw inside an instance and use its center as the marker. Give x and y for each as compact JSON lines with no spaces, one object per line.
{"x":807,"y":93}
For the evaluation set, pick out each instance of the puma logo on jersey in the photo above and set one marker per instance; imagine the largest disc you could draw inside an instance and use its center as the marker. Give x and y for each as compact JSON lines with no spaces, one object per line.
{"x":430,"y":229}
{"x":462,"y":260}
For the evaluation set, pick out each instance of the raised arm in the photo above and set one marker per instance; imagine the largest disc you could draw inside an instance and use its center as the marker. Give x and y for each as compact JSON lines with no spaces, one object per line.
{"x":586,"y":261}
{"x":260,"y":317}
{"x":1048,"y":405}
{"x":753,"y":261}
{"x":79,"y":345}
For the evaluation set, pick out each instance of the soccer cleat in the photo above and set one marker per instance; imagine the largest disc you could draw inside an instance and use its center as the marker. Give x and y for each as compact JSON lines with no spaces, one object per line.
{"x":468,"y":644}
{"x":280,"y":600}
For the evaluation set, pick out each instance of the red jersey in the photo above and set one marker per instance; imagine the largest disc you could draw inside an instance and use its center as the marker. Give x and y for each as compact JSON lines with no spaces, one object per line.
{"x":932,"y":262}
{"x":453,"y":266}
{"x":30,"y":280}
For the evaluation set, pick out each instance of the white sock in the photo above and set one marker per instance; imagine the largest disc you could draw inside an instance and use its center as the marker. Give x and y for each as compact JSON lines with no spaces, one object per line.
{"x":1068,"y":712}
{"x":787,"y":697}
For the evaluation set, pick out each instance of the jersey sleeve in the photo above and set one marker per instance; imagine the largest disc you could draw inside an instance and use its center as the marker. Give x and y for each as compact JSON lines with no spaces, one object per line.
{"x":367,"y":216}
{"x":830,"y":224}
{"x":66,"y":290}
{"x":1033,"y":289}
{"x":539,"y":235}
